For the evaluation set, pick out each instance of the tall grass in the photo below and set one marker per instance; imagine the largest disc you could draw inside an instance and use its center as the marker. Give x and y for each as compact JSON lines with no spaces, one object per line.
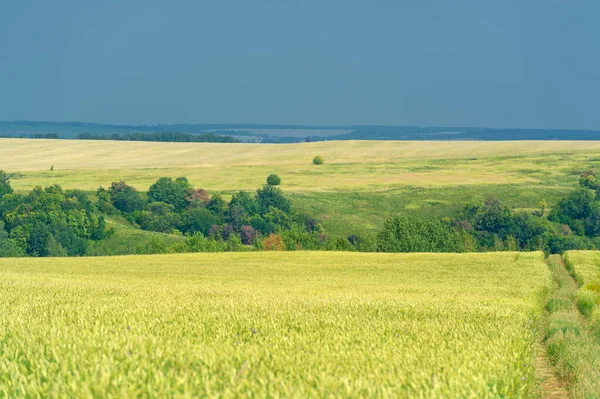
{"x":573,"y":346}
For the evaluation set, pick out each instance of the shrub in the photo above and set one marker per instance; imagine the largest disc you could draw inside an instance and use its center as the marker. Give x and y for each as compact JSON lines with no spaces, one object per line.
{"x":367,"y":243}
{"x":273,"y":242}
{"x":273,"y":180}
{"x":410,"y":234}
{"x":318,"y":160}
{"x":296,"y":237}
{"x":200,"y":243}
{"x":248,"y":234}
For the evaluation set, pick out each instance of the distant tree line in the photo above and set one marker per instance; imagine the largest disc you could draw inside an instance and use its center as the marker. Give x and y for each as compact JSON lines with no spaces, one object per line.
{"x":53,"y":136}
{"x":162,"y":137}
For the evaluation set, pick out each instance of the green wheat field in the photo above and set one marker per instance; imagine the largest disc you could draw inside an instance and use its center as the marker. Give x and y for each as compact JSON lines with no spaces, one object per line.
{"x":301,"y":324}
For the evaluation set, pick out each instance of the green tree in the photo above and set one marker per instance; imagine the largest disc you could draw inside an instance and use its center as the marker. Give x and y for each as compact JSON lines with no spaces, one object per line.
{"x":245,"y":201}
{"x":159,"y":216}
{"x":128,"y":201}
{"x":198,"y":220}
{"x":273,"y":180}
{"x":169,"y":191}
{"x":5,"y":187}
{"x":318,"y":160}
{"x":271,"y":196}
{"x":573,"y":209}
{"x":217,"y":205}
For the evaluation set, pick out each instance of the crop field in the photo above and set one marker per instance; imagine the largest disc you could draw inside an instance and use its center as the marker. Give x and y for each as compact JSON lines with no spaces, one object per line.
{"x":272,"y":324}
{"x":355,"y":165}
{"x":586,"y":265}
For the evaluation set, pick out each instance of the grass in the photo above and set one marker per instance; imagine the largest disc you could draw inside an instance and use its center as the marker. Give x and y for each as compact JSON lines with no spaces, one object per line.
{"x":128,"y":240}
{"x":360,"y":185}
{"x":272,"y":325}
{"x":351,"y":165}
{"x":572,"y":341}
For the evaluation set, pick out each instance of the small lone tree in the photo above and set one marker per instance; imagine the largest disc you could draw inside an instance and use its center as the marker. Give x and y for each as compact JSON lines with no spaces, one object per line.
{"x":273,"y":180}
{"x":318,"y":160}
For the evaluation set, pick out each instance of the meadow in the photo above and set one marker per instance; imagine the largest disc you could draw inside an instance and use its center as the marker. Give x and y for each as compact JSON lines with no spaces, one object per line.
{"x":263,"y":324}
{"x":360,"y":185}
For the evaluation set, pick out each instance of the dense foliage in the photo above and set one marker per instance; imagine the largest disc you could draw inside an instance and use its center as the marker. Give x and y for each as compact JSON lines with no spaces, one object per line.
{"x":56,"y":222}
{"x":273,"y":180}
{"x":410,"y":234}
{"x":212,"y":224}
{"x":47,"y":222}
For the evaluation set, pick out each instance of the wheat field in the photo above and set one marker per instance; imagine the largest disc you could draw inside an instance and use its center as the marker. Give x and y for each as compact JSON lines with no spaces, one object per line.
{"x":366,"y":166}
{"x":272,"y":325}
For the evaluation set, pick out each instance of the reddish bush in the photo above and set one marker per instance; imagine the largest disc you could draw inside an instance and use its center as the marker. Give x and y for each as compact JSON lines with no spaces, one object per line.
{"x":273,"y":242}
{"x":198,"y":196}
{"x":248,"y":234}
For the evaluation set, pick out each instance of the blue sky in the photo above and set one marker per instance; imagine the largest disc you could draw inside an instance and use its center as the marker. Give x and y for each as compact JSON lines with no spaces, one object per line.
{"x":510,"y":63}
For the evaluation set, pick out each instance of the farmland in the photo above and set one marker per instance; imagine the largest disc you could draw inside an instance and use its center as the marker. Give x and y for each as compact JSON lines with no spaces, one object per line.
{"x":272,"y":324}
{"x":358,"y":177}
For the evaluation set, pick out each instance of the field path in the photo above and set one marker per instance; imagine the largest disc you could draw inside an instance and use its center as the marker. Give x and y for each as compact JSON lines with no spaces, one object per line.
{"x":552,"y":385}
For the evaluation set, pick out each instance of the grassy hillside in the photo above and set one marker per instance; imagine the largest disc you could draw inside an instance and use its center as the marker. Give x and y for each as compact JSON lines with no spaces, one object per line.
{"x":269,"y":324}
{"x":360,"y":184}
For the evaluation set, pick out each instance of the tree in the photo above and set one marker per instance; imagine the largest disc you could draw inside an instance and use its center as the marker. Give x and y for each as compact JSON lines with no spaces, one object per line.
{"x":122,"y":196}
{"x":273,"y":180}
{"x":8,"y":247}
{"x":592,"y":221}
{"x":159,"y":216}
{"x":217,"y":205}
{"x":494,"y":217}
{"x":5,"y":187}
{"x":576,"y":206}
{"x":197,"y":196}
{"x":318,"y":160}
{"x":248,"y":235}
{"x":246,"y":202}
{"x":170,"y":191}
{"x":128,"y":200}
{"x":543,"y":205}
{"x":198,"y":220}
{"x":271,"y":196}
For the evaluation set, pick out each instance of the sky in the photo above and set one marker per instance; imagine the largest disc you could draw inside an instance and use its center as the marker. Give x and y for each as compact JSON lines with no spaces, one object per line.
{"x":484,"y":63}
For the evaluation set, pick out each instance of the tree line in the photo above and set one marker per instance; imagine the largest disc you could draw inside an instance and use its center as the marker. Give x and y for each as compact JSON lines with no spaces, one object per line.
{"x":55,"y":222}
{"x":170,"y":137}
